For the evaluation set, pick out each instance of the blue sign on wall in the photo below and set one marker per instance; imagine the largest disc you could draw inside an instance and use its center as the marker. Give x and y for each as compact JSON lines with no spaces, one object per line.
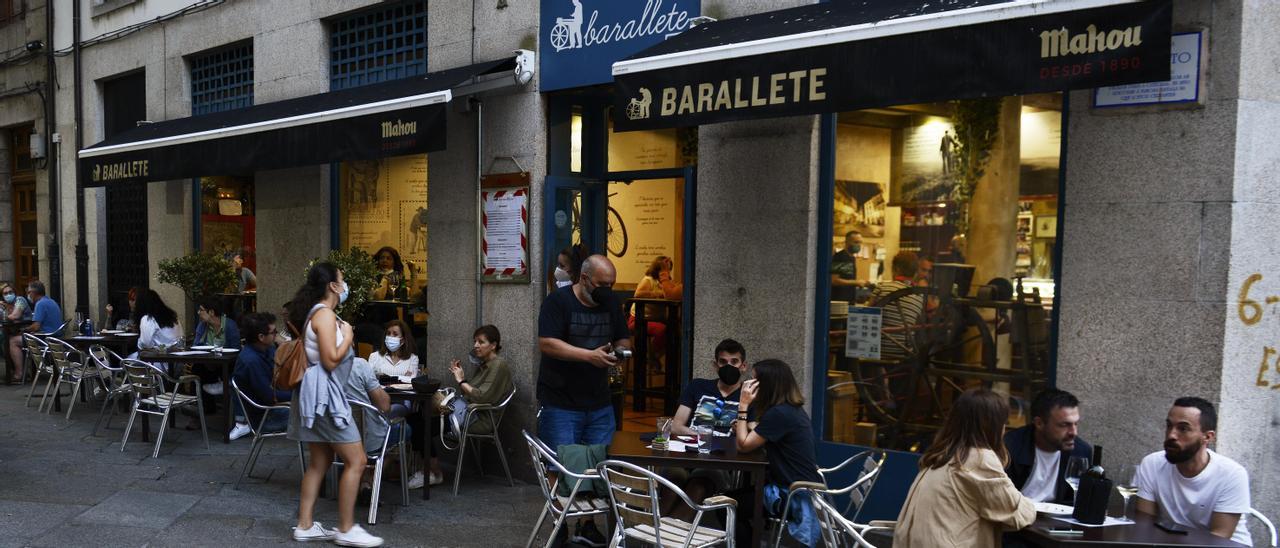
{"x":582,"y":38}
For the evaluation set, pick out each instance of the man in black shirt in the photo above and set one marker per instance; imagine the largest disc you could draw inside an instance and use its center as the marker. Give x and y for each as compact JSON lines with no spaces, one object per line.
{"x":844,"y":269}
{"x":579,"y":327}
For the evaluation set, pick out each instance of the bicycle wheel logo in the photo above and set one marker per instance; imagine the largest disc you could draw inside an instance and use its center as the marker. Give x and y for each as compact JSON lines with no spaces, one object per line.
{"x":638,"y":109}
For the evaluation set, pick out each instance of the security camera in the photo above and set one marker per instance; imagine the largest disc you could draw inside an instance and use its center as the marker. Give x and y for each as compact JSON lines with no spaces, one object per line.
{"x":34,"y":46}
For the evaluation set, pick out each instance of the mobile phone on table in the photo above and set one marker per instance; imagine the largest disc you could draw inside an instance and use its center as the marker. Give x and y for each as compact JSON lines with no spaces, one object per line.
{"x":1063,"y":530}
{"x":1171,"y":527}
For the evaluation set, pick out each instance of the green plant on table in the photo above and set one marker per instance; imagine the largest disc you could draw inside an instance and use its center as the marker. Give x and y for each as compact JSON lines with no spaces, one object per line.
{"x":360,"y":272}
{"x":198,"y":274}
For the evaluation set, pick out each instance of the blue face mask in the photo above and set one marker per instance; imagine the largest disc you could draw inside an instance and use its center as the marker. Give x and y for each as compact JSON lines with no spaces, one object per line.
{"x":346,"y":292}
{"x":10,"y":298}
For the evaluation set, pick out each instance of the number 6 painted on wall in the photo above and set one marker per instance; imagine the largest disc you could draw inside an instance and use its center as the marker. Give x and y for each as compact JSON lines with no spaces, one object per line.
{"x":1247,"y":304}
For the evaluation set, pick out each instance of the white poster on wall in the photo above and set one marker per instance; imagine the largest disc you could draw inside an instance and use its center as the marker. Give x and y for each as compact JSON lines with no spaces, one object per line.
{"x":1182,"y":87}
{"x":863,"y":338}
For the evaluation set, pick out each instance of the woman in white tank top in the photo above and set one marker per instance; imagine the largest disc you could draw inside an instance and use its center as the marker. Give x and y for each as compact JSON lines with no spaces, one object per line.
{"x":316,"y":413}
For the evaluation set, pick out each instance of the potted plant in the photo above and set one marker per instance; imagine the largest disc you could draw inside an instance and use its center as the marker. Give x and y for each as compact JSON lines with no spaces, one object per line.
{"x":198,"y":274}
{"x":360,"y":272}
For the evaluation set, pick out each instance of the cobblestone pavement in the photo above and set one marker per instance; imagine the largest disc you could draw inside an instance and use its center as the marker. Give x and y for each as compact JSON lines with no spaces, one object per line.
{"x":62,"y":486}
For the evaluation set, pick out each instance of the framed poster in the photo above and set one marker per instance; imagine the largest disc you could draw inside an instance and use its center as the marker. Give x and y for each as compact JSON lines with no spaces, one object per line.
{"x":504,"y":222}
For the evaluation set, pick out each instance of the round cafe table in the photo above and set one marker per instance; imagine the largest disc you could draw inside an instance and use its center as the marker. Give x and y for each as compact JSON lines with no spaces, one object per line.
{"x":421,"y":403}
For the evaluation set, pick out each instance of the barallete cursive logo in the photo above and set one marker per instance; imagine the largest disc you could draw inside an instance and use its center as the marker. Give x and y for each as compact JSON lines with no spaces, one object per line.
{"x":1062,"y":42}
{"x":121,"y":170}
{"x":575,"y":31}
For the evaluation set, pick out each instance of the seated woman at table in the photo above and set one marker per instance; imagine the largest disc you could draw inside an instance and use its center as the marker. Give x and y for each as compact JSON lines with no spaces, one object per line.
{"x":784,"y":430}
{"x":657,"y":284}
{"x":15,"y":308}
{"x":962,"y":497}
{"x":214,"y":327}
{"x":488,"y":383}
{"x":390,"y":273}
{"x":395,"y":357}
{"x":158,"y":325}
{"x":125,"y":318}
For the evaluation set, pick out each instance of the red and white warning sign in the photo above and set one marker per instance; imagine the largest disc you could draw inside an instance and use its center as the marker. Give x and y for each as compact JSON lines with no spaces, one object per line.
{"x":505,"y":243}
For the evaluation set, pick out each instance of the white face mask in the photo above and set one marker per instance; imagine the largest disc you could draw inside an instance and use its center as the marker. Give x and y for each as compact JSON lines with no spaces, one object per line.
{"x":561,"y":276}
{"x":393,"y":343}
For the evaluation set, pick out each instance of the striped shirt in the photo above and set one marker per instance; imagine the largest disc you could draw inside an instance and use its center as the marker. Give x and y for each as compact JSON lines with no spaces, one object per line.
{"x":904,"y":311}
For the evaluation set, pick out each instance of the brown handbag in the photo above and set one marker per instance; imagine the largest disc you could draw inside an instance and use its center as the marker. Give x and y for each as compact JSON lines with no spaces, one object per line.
{"x":291,"y":361}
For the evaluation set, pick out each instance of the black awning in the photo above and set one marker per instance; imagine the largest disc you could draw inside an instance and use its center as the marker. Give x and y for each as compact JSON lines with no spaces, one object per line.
{"x":848,"y":55}
{"x":388,"y":119}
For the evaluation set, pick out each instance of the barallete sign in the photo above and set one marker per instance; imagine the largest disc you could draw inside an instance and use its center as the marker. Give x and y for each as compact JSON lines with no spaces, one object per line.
{"x":582,"y":38}
{"x":1121,"y":44}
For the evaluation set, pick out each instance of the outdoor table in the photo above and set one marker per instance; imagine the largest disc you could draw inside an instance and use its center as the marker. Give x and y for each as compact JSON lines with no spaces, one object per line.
{"x":225,"y":363}
{"x":10,"y":329}
{"x":670,"y":391}
{"x":627,"y":446}
{"x":121,"y":344}
{"x":422,"y":401}
{"x":1143,"y":532}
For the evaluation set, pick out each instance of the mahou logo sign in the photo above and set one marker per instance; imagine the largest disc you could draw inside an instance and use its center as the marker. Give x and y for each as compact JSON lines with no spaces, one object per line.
{"x":587,"y":36}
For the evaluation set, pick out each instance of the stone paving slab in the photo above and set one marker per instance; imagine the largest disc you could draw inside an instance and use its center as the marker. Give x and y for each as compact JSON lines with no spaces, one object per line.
{"x":67,"y":488}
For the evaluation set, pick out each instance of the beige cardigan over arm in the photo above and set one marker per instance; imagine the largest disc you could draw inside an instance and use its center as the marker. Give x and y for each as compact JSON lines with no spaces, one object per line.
{"x":962,"y":506}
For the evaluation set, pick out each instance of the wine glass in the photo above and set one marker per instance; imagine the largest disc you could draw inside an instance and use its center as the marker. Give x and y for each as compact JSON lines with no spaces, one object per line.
{"x":1076,"y":467}
{"x":1127,"y":485}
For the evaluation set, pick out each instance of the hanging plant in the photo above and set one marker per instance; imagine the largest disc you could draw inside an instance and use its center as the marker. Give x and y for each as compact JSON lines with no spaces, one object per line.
{"x":977,"y":124}
{"x":360,"y":272}
{"x":198,"y":274}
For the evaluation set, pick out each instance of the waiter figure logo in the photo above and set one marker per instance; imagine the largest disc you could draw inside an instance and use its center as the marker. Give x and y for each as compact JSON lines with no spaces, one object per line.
{"x":638,"y":109}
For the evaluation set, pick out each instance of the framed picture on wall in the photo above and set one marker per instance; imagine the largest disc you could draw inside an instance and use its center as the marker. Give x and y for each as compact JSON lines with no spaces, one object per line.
{"x":1047,"y":227}
{"x":859,"y":206}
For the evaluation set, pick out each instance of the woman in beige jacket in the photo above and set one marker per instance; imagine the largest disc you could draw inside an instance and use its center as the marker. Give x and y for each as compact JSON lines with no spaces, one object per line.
{"x":962,"y":497}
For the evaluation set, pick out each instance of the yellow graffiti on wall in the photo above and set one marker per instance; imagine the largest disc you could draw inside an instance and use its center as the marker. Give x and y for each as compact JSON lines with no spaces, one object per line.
{"x":1249,"y":309}
{"x":1250,"y":312}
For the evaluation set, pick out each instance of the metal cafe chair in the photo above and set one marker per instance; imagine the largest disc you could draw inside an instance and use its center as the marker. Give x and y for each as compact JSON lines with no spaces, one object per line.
{"x":259,"y":434}
{"x":495,"y":413}
{"x":152,"y":398}
{"x":636,"y":496}
{"x":361,"y":410}
{"x":839,"y":531}
{"x":581,"y":501}
{"x":114,"y":378}
{"x":1271,"y":529}
{"x":75,"y":372}
{"x":858,"y":491}
{"x":58,"y":361}
{"x":36,"y":352}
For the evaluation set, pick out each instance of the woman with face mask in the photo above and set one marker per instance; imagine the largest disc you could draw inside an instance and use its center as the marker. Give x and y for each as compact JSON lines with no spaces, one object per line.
{"x":568,"y":261}
{"x":395,"y":357}
{"x":486,"y":380}
{"x":14,"y":308}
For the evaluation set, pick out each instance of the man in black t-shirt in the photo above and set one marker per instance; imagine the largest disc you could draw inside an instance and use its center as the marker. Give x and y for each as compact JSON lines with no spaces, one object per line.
{"x":714,"y":401}
{"x":578,"y":329}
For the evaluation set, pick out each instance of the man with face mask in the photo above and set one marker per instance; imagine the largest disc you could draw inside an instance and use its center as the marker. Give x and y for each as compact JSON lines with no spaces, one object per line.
{"x":714,"y":402}
{"x":1190,"y":484}
{"x":844,"y":269}
{"x":579,"y":327}
{"x":1039,"y":451}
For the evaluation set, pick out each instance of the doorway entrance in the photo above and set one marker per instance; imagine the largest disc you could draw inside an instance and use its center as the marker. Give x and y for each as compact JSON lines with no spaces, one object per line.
{"x":25,"y":257}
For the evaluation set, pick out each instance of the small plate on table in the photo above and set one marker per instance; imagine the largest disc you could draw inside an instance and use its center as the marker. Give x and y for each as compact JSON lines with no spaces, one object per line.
{"x":1051,"y":509}
{"x":202,"y":347}
{"x":126,"y":334}
{"x":401,"y":386}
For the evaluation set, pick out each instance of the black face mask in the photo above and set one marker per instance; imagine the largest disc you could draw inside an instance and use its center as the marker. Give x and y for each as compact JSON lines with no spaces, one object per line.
{"x":729,"y":374}
{"x":600,"y":294}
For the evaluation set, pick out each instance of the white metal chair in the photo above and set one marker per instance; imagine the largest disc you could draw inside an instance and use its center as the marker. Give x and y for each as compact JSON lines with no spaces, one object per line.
{"x":838,"y":530}
{"x":581,"y":501}
{"x":635,"y":495}
{"x":114,"y":379}
{"x":495,"y":413}
{"x":360,"y":411}
{"x":858,"y":491}
{"x":260,"y":435}
{"x":36,"y":352}
{"x":1271,"y":529}
{"x":150,"y":397}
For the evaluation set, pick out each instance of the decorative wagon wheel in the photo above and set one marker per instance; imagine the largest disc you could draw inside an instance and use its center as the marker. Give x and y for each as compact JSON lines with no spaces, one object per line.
{"x":560,"y":36}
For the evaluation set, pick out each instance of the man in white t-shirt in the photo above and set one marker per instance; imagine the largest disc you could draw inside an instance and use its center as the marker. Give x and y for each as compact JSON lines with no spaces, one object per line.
{"x":1191,"y":485}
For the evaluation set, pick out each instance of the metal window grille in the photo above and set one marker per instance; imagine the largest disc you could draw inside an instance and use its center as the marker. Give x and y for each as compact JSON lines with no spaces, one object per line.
{"x":379,"y":45}
{"x":222,"y":80}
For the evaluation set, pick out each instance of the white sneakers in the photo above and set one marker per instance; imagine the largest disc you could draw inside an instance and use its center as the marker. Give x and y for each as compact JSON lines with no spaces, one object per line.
{"x":316,"y":532}
{"x":213,"y":389}
{"x":437,"y":478}
{"x":241,"y":430}
{"x":416,"y":480}
{"x":356,"y":536}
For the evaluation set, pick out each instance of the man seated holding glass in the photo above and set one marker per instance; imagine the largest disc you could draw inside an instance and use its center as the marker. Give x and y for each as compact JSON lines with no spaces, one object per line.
{"x":1039,"y":451}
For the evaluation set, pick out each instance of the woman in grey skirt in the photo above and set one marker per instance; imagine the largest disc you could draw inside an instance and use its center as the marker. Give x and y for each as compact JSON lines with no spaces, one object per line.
{"x":319,"y":414}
